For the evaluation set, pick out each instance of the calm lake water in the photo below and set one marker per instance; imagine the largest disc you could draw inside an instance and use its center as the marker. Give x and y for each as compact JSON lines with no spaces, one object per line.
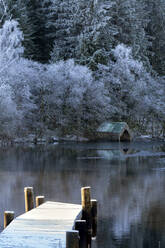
{"x":128,"y":180}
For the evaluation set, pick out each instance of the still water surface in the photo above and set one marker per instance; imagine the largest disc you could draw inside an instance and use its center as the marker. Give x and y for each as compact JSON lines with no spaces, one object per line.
{"x":128,"y":180}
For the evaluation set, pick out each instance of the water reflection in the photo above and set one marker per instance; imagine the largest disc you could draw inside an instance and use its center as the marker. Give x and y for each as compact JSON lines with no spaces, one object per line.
{"x":127,"y":180}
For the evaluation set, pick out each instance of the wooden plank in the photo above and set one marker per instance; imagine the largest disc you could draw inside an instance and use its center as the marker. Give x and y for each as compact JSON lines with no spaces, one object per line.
{"x":43,"y":227}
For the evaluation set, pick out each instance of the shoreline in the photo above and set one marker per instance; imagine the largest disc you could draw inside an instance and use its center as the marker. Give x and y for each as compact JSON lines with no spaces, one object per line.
{"x":48,"y":140}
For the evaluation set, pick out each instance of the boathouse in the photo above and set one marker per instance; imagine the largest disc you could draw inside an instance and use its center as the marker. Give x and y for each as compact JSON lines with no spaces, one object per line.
{"x":114,"y":131}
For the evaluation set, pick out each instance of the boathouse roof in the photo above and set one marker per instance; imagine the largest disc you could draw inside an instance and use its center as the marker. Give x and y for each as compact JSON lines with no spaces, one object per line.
{"x":114,"y":131}
{"x":112,"y":127}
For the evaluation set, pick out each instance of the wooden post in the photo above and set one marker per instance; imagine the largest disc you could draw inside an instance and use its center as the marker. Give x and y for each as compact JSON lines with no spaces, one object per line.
{"x":81,"y":226}
{"x":94,"y":217}
{"x":72,"y":239}
{"x":29,"y":198}
{"x":8,"y":218}
{"x":86,"y":210}
{"x":40,"y":200}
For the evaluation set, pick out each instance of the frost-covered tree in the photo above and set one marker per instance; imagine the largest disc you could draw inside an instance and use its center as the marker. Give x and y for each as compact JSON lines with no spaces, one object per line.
{"x":36,"y":20}
{"x":131,"y":18}
{"x":16,"y":9}
{"x":21,"y":76}
{"x":10,"y":51}
{"x":74,"y":101}
{"x":3,"y":11}
{"x":9,"y":113}
{"x":130,"y":87}
{"x":66,"y":30}
{"x":14,"y":75}
{"x":9,"y":10}
{"x":156,"y":30}
{"x":87,"y":14}
{"x":97,"y":34}
{"x":105,"y":24}
{"x":10,"y":43}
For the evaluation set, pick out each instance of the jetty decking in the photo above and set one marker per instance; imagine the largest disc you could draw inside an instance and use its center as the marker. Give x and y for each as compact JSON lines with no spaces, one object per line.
{"x":44,"y":226}
{"x":51,"y":224}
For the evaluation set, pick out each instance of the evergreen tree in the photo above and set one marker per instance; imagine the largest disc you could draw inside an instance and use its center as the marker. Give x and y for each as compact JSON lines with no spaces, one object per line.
{"x":156,"y":30}
{"x":36,"y":13}
{"x":106,"y":24}
{"x":97,"y":36}
{"x":36,"y":19}
{"x":16,"y":9}
{"x":66,"y":30}
{"x":131,"y":19}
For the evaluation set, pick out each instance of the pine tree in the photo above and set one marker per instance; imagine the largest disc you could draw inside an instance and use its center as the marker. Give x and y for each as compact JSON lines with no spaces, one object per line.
{"x":156,"y":30}
{"x":16,"y":9}
{"x":131,"y":19}
{"x":66,"y":30}
{"x":96,"y":34}
{"x":40,"y":49}
{"x":36,"y":21}
{"x":106,"y":24}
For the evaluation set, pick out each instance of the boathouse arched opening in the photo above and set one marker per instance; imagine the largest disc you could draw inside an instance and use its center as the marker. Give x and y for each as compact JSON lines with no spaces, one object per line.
{"x":125,"y":136}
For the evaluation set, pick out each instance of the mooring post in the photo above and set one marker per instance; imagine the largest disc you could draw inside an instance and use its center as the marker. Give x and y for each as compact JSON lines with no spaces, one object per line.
{"x":40,"y":200}
{"x":94,"y":217}
{"x":81,"y":226}
{"x":86,"y":210}
{"x":29,"y":198}
{"x":8,"y":218}
{"x":72,"y":239}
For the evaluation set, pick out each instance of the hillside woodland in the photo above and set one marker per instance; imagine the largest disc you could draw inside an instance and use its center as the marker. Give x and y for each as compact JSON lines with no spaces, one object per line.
{"x":68,"y":65}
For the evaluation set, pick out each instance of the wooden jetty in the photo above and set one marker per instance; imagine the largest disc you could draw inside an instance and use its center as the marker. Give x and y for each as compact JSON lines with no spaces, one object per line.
{"x":51,"y":224}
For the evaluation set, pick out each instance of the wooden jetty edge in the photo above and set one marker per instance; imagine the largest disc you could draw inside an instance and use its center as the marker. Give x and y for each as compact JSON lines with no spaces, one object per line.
{"x":51,"y":224}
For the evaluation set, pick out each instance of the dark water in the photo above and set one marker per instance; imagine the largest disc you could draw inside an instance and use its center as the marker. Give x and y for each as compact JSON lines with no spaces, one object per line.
{"x":128,"y":180}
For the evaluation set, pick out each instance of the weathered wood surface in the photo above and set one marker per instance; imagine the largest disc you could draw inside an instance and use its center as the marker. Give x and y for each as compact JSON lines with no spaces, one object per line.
{"x":42,"y":227}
